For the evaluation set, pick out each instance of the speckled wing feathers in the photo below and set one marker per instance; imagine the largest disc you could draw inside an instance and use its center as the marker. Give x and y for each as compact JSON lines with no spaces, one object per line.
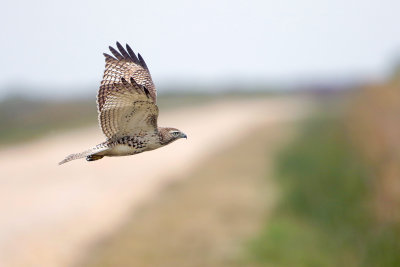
{"x":128,"y":110}
{"x":124,"y":65}
{"x":117,"y":97}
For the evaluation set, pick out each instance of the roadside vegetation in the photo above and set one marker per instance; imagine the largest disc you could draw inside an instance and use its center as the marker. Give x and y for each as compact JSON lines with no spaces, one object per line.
{"x":338,"y":180}
{"x":325,"y":216}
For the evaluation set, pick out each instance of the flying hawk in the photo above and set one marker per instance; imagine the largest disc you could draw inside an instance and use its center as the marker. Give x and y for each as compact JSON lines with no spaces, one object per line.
{"x":127,"y":109}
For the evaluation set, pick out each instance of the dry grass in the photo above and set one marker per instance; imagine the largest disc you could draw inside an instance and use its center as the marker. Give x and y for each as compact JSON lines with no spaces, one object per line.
{"x":375,"y":127}
{"x":203,"y":220}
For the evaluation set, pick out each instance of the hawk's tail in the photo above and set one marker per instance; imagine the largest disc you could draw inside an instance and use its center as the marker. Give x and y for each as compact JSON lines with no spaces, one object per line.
{"x":90,"y":154}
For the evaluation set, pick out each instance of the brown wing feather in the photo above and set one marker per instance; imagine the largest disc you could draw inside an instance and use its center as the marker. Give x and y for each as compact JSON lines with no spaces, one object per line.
{"x":128,"y":110}
{"x":125,"y":65}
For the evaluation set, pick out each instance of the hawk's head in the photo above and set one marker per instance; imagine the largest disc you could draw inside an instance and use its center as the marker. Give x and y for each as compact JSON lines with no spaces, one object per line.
{"x":169,"y":135}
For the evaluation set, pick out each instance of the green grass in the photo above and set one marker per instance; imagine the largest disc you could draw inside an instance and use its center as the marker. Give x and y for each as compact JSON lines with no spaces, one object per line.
{"x":325,"y":216}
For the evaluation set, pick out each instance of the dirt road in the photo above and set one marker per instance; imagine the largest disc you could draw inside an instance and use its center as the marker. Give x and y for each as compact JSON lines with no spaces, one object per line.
{"x":51,"y":213}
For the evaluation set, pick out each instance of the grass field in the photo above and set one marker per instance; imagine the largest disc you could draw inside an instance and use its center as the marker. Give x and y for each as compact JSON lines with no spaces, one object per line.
{"x":326,"y":215}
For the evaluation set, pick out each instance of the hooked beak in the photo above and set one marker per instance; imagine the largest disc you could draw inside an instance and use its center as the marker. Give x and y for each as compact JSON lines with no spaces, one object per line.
{"x":183,"y":135}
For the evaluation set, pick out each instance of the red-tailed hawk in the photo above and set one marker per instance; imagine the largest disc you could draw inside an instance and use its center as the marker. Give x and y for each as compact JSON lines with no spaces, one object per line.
{"x":127,"y":108}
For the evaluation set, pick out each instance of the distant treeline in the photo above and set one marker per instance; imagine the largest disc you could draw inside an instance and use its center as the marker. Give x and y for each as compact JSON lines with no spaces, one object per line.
{"x":24,"y":118}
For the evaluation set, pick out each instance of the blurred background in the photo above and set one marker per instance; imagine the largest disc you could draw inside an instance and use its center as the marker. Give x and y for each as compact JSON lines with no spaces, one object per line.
{"x":292,"y":109}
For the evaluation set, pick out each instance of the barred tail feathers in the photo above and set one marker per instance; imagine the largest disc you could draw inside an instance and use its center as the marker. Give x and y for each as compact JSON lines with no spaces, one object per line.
{"x":89,"y":152}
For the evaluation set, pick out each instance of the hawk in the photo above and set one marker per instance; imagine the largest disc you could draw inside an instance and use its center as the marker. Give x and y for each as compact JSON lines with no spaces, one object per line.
{"x":127,"y":107}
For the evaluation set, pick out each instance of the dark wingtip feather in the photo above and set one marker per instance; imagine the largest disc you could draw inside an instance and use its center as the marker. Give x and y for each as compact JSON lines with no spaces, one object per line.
{"x":107,"y":56}
{"x":116,"y":53}
{"x":132,"y":54}
{"x":123,"y":51}
{"x":119,"y":46}
{"x":142,"y":62}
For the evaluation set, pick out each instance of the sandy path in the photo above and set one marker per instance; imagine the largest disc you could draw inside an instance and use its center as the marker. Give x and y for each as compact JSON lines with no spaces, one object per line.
{"x":207,"y":219}
{"x":51,"y":213}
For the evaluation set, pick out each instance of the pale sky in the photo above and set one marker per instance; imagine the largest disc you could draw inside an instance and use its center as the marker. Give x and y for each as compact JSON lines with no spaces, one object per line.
{"x":51,"y":44}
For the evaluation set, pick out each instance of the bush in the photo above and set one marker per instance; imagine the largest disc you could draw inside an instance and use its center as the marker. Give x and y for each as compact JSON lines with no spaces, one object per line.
{"x":325,"y":216}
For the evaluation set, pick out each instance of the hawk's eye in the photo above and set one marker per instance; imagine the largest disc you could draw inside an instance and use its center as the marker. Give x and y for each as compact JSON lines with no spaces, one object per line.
{"x":175,"y":133}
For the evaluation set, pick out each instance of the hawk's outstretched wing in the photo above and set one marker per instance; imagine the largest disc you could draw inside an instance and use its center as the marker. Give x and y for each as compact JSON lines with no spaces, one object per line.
{"x":128,"y":109}
{"x":125,"y":65}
